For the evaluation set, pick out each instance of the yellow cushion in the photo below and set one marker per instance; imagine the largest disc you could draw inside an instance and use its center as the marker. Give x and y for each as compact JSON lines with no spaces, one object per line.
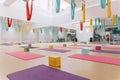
{"x":54,"y":61}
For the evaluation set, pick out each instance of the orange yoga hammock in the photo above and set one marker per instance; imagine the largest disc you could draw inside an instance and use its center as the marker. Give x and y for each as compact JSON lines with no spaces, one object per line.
{"x":81,"y":25}
{"x":60,"y":29}
{"x":29,"y":10}
{"x":9,"y":21}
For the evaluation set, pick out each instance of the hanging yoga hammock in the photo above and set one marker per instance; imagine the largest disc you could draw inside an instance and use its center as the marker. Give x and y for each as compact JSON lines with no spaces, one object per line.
{"x":19,"y":27}
{"x":9,"y":22}
{"x":16,"y":25}
{"x":103,"y":3}
{"x":29,"y":10}
{"x":68,"y":30}
{"x":37,"y":30}
{"x":96,"y":23}
{"x":117,"y":22}
{"x":83,"y":12}
{"x":91,"y":24}
{"x":73,"y":5}
{"x":27,"y":26}
{"x":114,"y":19}
{"x":60,"y":29}
{"x":81,"y":25}
{"x":99,"y":23}
{"x":109,"y":8}
{"x":57,"y":6}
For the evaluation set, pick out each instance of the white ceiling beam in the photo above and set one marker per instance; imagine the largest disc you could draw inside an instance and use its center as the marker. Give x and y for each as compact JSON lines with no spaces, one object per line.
{"x":9,"y":2}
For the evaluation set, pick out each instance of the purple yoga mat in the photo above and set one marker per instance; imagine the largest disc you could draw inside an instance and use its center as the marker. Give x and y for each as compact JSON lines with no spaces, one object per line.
{"x":83,"y":45}
{"x":55,"y":50}
{"x":106,"y":51}
{"x":6,"y":44}
{"x":43,"y":72}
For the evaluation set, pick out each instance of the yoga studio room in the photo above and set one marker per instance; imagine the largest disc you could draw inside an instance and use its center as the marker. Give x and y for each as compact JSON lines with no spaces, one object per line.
{"x":59,"y":39}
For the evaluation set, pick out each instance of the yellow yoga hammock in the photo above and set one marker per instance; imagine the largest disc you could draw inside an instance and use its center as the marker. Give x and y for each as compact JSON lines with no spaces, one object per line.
{"x":19,"y":28}
{"x":83,"y":13}
{"x":37,"y":29}
{"x":109,"y":12}
{"x":114,"y":19}
{"x":27,"y":26}
{"x":68,"y":30}
{"x":91,"y":24}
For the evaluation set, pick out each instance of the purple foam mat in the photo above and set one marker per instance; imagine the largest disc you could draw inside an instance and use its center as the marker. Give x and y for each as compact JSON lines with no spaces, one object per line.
{"x":43,"y":72}
{"x":106,"y":51}
{"x":6,"y":44}
{"x":55,"y":50}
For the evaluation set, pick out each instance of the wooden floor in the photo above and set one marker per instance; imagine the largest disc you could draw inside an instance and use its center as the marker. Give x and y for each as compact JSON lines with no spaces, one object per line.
{"x":88,"y":69}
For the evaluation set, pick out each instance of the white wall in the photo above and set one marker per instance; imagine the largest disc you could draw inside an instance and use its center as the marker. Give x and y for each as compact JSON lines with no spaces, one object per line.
{"x":48,"y":36}
{"x":11,"y":36}
{"x":84,"y":36}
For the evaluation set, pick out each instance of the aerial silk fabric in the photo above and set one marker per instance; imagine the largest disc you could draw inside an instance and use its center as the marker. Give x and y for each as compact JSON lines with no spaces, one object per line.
{"x":51,"y":30}
{"x":99,"y":23}
{"x":114,"y":19}
{"x":73,"y":5}
{"x":29,"y":10}
{"x":9,"y":22}
{"x":4,"y":24}
{"x":117,"y":22}
{"x":109,"y":12}
{"x":60,"y":29}
{"x":95,"y":22}
{"x":16,"y":25}
{"x":68,"y":30}
{"x":19,"y":28}
{"x":27,"y":26}
{"x":81,"y":25}
{"x":91,"y":24}
{"x":57,"y":6}
{"x":103,"y":3}
{"x":37,"y":30}
{"x":83,"y":13}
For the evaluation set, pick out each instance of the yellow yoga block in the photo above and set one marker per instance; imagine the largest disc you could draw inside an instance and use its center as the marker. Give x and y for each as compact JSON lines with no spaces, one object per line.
{"x":55,"y":61}
{"x":75,"y":44}
{"x":51,"y":46}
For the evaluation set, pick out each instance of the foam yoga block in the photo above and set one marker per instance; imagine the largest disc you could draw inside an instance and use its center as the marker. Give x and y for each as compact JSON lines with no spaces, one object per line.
{"x":98,"y":47}
{"x":75,"y":44}
{"x":51,"y":46}
{"x":85,"y":51}
{"x":26,"y":49}
{"x":64,"y":45}
{"x":29,"y":45}
{"x":54,"y":61}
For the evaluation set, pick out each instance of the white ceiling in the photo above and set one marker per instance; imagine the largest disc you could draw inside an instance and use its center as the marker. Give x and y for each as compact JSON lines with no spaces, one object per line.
{"x":44,"y":11}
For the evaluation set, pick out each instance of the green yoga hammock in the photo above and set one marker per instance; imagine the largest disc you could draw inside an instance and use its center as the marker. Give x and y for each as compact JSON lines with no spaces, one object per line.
{"x":57,"y":6}
{"x":73,"y":5}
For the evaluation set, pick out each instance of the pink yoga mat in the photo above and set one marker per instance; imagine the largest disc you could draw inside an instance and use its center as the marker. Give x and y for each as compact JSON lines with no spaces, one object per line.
{"x":113,"y":48}
{"x":108,"y":60}
{"x":24,"y":55}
